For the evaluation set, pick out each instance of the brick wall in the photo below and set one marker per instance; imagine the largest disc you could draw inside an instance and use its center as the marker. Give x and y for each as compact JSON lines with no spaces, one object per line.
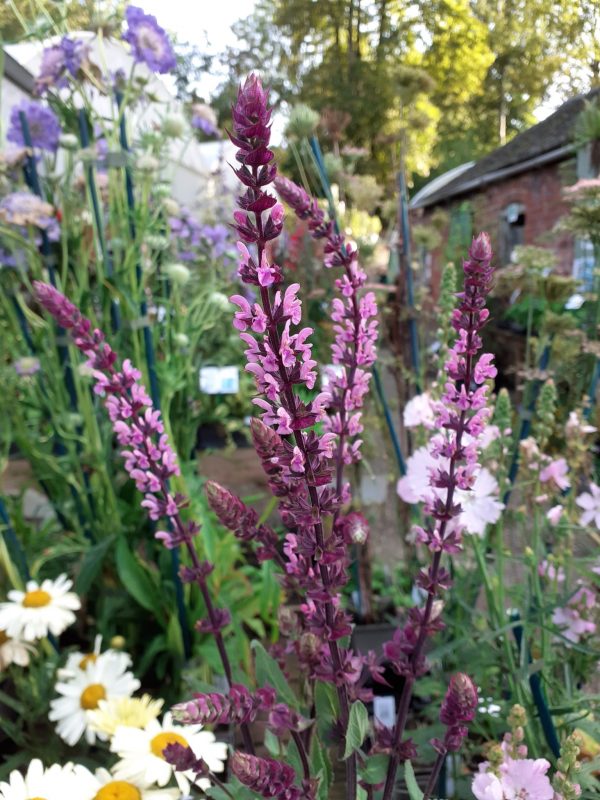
{"x":539,"y":191}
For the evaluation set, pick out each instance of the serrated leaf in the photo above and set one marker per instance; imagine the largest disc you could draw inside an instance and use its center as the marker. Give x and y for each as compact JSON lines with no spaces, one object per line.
{"x":374,"y":768}
{"x":412,"y":787}
{"x":358,"y":727}
{"x":268,"y":673}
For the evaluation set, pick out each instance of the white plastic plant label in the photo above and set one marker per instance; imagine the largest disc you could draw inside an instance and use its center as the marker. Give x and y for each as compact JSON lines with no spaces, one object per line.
{"x":219,"y":380}
{"x":384,"y":709}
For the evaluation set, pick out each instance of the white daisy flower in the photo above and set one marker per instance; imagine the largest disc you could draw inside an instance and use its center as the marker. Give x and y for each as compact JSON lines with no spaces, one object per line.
{"x":141,"y":752}
{"x":14,"y":650}
{"x":104,"y":679}
{"x":132,"y":712}
{"x":78,"y":661}
{"x":104,"y":786}
{"x":38,"y":783}
{"x":39,"y":610}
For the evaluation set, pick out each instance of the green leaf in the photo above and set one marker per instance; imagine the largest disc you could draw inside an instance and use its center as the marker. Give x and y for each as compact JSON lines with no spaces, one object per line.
{"x":174,"y":636}
{"x":412,"y":786}
{"x":91,"y":564}
{"x":327,"y":708}
{"x":320,"y":767}
{"x":358,"y":727}
{"x":268,"y":673}
{"x":374,"y":768}
{"x":137,"y":580}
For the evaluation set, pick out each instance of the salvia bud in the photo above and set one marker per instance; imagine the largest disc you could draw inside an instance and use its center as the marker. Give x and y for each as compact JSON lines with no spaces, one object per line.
{"x":265,"y":776}
{"x":460,"y":703}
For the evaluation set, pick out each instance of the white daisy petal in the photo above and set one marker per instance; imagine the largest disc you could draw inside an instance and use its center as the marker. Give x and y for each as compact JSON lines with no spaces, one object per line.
{"x":105,"y":678}
{"x":40,"y":610}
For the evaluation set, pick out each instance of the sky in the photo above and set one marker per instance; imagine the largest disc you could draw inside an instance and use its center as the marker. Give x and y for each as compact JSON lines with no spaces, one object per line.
{"x":206,"y":23}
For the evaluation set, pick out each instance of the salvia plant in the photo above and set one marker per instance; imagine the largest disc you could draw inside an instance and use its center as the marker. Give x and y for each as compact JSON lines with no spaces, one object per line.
{"x":304,"y":446}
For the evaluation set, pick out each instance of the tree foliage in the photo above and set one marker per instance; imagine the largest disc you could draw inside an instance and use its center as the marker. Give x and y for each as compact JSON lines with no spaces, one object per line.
{"x":440,"y":81}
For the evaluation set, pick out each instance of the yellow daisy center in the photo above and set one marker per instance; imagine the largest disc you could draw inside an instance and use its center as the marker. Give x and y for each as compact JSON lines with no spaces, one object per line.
{"x":161,"y":740}
{"x":89,"y":658}
{"x":3,"y":638}
{"x":118,"y":790}
{"x":37,"y":798}
{"x":91,"y":696}
{"x":37,"y":598}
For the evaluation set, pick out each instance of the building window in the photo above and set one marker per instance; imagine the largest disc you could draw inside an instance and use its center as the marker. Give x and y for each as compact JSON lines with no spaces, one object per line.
{"x":512,"y":230}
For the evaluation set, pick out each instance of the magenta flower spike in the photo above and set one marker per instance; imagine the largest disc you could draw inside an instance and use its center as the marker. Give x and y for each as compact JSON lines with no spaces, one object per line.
{"x":353,"y":350}
{"x":148,"y":456}
{"x":461,"y":417}
{"x":279,"y":356}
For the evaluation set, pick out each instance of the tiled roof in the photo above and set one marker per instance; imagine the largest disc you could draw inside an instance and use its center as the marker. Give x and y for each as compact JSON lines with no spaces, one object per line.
{"x":549,"y":138}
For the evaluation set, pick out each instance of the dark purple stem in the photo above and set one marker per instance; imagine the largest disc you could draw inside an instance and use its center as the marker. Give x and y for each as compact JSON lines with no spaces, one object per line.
{"x":407,"y":689}
{"x":288,"y":402}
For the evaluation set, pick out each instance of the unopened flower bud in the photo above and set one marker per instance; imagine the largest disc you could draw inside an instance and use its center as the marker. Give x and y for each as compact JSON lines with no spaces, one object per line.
{"x":117,"y":642}
{"x":68,"y":141}
{"x":460,"y":703}
{"x":173,"y":126}
{"x":356,"y":528}
{"x":517,"y":717}
{"x":147,"y":163}
{"x":181,"y":339}
{"x":170,"y":206}
{"x":481,"y":249}
{"x":178,"y":273}
{"x":287,"y":620}
{"x":265,"y":776}
{"x":310,"y":645}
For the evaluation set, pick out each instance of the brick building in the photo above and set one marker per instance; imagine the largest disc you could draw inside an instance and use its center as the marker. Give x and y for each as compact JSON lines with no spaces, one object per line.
{"x":515,"y":193}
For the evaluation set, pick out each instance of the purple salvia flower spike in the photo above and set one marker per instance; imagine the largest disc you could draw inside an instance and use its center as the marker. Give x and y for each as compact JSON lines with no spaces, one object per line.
{"x":148,"y":456}
{"x":279,"y":355}
{"x":353,"y":349}
{"x":461,"y":412}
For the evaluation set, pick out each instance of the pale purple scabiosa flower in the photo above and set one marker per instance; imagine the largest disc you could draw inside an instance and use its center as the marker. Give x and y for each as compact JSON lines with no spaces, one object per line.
{"x":149,"y":42}
{"x":58,"y":61}
{"x":461,"y":416}
{"x":27,"y":366}
{"x":204,"y":119}
{"x":44,"y":127}
{"x":25,"y":209}
{"x":149,"y":458}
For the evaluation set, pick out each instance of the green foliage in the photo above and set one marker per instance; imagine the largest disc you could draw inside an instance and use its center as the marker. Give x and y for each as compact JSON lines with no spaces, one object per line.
{"x":412,"y":786}
{"x":358,"y":727}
